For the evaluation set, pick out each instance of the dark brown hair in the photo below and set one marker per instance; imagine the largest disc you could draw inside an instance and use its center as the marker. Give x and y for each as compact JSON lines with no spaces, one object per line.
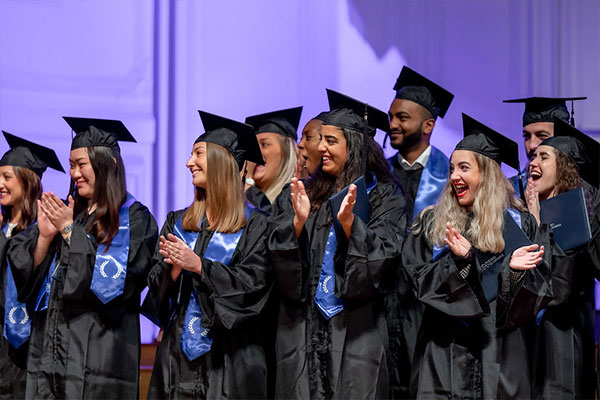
{"x":32,"y":190}
{"x":568,"y":178}
{"x":110,"y":192}
{"x":322,"y":185}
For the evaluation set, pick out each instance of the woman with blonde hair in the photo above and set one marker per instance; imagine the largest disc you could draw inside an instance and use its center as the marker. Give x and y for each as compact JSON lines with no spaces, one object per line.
{"x":276,"y":133}
{"x":470,"y":260}
{"x":563,"y":361}
{"x":211,"y":279}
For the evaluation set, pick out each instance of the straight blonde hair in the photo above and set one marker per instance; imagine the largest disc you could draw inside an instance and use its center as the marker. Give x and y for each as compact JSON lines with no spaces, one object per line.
{"x":286,"y":169}
{"x":483,"y":225}
{"x":224,"y":195}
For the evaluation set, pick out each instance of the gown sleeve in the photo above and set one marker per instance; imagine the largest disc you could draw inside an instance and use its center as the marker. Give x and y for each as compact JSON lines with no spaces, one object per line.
{"x":28,"y":280}
{"x":162,"y":297}
{"x":518,"y":304}
{"x":230,"y":295}
{"x":82,"y":256}
{"x":448,"y":284}
{"x":364,"y":258}
{"x":291,"y":270}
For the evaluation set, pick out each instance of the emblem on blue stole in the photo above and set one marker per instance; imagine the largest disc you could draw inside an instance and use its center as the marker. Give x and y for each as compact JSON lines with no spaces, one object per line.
{"x":41,"y":303}
{"x":327,"y":302}
{"x":17,"y":324}
{"x":195,"y":339}
{"x":110,"y":267}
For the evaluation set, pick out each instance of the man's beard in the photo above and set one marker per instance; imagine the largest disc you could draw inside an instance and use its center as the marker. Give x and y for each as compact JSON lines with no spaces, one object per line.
{"x":411,"y":139}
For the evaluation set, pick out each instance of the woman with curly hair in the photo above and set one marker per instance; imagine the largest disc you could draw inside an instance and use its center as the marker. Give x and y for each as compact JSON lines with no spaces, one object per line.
{"x":472,"y":264}
{"x":563,"y":362}
{"x":332,"y":335}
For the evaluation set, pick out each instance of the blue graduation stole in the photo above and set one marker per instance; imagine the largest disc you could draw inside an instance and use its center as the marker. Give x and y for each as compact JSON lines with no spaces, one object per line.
{"x":489,"y":278}
{"x":327,"y":302}
{"x":433,"y":179}
{"x":195,"y":339}
{"x":41,"y":303}
{"x":17,"y":324}
{"x":110,"y":268}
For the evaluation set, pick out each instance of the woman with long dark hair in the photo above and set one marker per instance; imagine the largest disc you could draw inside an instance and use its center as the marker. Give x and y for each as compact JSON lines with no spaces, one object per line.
{"x":332,"y":335}
{"x":98,"y":250}
{"x":211,"y":279}
{"x":563,"y":361}
{"x":21,"y":170}
{"x":475,"y":263}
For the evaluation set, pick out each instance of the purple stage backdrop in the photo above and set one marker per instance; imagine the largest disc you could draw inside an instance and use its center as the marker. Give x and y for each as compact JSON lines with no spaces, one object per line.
{"x":154,"y":63}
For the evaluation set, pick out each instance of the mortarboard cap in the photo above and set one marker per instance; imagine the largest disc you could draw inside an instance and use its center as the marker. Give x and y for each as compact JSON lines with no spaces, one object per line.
{"x":486,"y":141}
{"x":321,"y":116}
{"x":413,"y":86}
{"x":582,"y":149}
{"x":544,"y":109}
{"x":237,"y":138}
{"x":284,"y":122}
{"x":92,"y":132}
{"x":350,"y":113}
{"x":26,"y":154}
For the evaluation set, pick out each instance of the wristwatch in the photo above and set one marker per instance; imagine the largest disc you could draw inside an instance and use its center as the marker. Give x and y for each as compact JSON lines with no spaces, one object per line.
{"x":68,"y":228}
{"x":250,"y":181}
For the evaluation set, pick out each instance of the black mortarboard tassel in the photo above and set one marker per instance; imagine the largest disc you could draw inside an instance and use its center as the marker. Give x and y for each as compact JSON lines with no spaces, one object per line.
{"x":237,"y":138}
{"x":284,"y":122}
{"x":26,"y":154}
{"x":582,"y":149}
{"x":413,"y":86}
{"x":545,"y":109}
{"x":95,"y":132}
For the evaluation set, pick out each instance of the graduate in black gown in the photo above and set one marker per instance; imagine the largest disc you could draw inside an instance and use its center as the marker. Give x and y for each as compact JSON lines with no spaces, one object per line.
{"x":21,"y":170}
{"x":276,"y":133}
{"x":211,"y":278}
{"x":563,"y":361}
{"x":332,"y":335}
{"x":538,"y":125}
{"x":478,"y":282}
{"x":421,"y":170}
{"x":98,"y":250}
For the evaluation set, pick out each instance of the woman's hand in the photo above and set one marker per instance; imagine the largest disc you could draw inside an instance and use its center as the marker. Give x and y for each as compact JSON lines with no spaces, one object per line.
{"x":177,"y":253}
{"x":346,"y":214}
{"x":59,"y":214}
{"x":47,"y":229}
{"x":526,"y":257}
{"x":457,"y":242}
{"x":533,"y":200}
{"x":300,"y":171}
{"x":301,"y":204}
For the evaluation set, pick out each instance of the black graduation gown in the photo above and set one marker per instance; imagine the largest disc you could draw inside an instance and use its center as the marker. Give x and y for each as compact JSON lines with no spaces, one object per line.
{"x":85,"y":349}
{"x":12,"y":361}
{"x":344,"y":357}
{"x":563,"y":361}
{"x":232,"y":300}
{"x":404,"y":311}
{"x":469,"y":348}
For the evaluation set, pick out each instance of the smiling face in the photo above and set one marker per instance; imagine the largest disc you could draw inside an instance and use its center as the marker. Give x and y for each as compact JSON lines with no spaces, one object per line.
{"x":197,"y":165}
{"x":11,"y":189}
{"x":333,"y":150}
{"x":309,"y":144}
{"x":408,"y":123}
{"x":464,"y":176}
{"x":536,"y":133}
{"x":82,"y":172}
{"x":270,"y":147}
{"x":542,"y":169}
